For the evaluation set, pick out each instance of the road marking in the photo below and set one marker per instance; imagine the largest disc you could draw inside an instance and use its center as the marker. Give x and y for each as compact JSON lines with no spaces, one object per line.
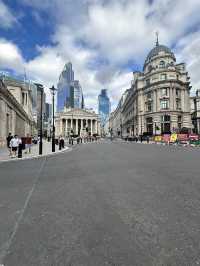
{"x":5,"y":248}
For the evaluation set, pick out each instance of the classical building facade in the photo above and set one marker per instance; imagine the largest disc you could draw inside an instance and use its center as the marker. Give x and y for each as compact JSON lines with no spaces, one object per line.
{"x":78,"y":120}
{"x":159,"y":98}
{"x":115,"y":119}
{"x":195,"y":112}
{"x":13,"y":116}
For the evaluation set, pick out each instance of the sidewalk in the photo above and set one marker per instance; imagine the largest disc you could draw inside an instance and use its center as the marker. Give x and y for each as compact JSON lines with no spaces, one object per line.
{"x":47,"y":150}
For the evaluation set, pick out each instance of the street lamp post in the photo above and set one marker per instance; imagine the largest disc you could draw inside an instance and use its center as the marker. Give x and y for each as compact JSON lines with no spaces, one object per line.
{"x":53,"y":91}
{"x":41,"y":122}
{"x":41,"y":89}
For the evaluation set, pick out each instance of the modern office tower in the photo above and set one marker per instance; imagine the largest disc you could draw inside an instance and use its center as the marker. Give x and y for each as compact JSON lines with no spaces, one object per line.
{"x":104,"y":106}
{"x":76,"y":95}
{"x":70,"y":92}
{"x":63,"y":94}
{"x":48,"y":111}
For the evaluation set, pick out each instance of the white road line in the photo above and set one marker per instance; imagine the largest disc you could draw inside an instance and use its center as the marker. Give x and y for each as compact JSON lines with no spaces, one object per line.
{"x":5,"y":248}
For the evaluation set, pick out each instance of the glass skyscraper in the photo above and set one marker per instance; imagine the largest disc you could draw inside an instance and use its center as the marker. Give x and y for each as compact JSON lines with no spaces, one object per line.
{"x":76,"y":95}
{"x":65,"y":80}
{"x":104,"y":106}
{"x":70,"y":93}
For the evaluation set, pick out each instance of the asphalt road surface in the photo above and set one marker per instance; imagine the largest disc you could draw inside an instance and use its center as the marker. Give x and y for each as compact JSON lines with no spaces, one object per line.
{"x":102,"y":204}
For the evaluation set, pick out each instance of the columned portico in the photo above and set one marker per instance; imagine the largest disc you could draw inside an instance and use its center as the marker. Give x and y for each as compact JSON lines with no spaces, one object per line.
{"x":78,"y":120}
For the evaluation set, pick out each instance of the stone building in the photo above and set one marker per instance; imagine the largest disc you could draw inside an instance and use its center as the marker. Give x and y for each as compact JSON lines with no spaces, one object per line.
{"x":158,"y":100}
{"x":195,"y":112}
{"x":115,"y":119}
{"x":13,"y":115}
{"x":77,"y":120}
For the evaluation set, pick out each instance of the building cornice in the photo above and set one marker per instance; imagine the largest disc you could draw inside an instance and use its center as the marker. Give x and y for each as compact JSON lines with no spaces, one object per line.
{"x":11,"y":99}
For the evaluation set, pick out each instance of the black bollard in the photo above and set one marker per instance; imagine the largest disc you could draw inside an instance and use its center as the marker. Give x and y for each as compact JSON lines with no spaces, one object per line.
{"x":20,"y":151}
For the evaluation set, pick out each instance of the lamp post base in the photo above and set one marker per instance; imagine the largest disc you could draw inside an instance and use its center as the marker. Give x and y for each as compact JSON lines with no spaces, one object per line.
{"x":53,"y":145}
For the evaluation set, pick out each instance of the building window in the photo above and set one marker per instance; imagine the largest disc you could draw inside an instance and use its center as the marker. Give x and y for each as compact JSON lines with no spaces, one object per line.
{"x":149,"y":107}
{"x":165,"y":124}
{"x":148,"y":82}
{"x":23,"y":98}
{"x":163,"y":76}
{"x":177,"y":92}
{"x":179,"y":122}
{"x":178,"y":104}
{"x":164,"y":104}
{"x":149,"y":123}
{"x":162,"y":64}
{"x":164,"y":91}
{"x":150,"y":68}
{"x":149,"y":96}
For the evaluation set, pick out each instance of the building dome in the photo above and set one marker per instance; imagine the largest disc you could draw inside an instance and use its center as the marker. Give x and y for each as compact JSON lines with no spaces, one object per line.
{"x":156,"y":50}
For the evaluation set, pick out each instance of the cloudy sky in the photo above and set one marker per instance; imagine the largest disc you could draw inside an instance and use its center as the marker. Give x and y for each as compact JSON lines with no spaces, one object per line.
{"x":104,"y":39}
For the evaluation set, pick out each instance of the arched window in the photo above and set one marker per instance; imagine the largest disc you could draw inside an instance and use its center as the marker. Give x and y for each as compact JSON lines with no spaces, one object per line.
{"x":162,"y":64}
{"x":149,"y":68}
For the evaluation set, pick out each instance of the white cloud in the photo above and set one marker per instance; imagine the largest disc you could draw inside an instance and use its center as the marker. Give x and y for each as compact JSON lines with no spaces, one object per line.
{"x":188,"y":51}
{"x":10,"y":56}
{"x":7,"y":19}
{"x":100,"y":38}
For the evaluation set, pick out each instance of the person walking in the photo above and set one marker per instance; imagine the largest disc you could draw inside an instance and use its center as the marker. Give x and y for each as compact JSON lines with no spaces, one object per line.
{"x":8,"y":139}
{"x":14,"y":144}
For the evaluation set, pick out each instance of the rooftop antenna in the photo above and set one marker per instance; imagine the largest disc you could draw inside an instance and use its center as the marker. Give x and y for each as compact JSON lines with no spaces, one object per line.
{"x":157,"y":35}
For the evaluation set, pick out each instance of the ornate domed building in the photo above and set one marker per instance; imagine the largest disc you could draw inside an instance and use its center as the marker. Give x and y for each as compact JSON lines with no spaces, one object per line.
{"x":158,"y":101}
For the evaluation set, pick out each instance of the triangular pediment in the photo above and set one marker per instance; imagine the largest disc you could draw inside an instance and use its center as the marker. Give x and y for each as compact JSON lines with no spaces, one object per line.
{"x":81,"y":112}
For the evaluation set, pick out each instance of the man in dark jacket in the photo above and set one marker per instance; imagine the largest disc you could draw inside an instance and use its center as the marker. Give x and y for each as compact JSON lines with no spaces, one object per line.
{"x":8,"y":139}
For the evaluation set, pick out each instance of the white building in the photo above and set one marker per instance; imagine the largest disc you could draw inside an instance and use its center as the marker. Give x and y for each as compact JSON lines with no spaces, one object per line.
{"x":159,"y":98}
{"x":78,"y":120}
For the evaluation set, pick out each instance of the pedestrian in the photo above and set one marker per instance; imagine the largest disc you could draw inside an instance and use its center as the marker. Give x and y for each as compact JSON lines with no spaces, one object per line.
{"x":147,"y":139}
{"x":28,"y":143}
{"x":9,"y":137}
{"x":14,"y":144}
{"x":63,"y":142}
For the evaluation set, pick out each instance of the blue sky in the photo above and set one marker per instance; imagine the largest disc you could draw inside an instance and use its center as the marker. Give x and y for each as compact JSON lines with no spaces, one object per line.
{"x":104,"y":39}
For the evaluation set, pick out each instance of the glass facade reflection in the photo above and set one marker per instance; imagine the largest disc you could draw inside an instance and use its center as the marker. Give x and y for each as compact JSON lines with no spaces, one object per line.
{"x":69,"y":90}
{"x":104,"y":106}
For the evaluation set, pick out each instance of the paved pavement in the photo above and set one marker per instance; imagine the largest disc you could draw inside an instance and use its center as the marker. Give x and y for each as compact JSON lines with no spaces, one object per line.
{"x":47,"y":149}
{"x":102,"y":204}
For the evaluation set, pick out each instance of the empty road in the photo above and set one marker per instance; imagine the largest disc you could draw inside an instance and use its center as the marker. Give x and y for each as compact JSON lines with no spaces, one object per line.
{"x":114,"y":204}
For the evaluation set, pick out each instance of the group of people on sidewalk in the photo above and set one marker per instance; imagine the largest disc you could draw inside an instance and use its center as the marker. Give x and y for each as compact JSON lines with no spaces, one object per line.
{"x":13,"y":144}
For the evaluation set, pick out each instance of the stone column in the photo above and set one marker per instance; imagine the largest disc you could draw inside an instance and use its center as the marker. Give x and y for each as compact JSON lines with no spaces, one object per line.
{"x":154,"y":101}
{"x":182,"y":100}
{"x":61,"y":127}
{"x":91,"y":126}
{"x":171,"y":99}
{"x":66,"y":127}
{"x":71,"y":124}
{"x":96,"y":126}
{"x":158,"y":99}
{"x":174,"y":98}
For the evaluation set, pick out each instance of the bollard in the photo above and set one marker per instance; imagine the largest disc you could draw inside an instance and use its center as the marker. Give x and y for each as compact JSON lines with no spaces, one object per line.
{"x":20,"y":151}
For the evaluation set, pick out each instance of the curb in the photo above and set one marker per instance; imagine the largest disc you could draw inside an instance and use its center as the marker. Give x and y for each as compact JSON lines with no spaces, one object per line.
{"x":67,"y":149}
